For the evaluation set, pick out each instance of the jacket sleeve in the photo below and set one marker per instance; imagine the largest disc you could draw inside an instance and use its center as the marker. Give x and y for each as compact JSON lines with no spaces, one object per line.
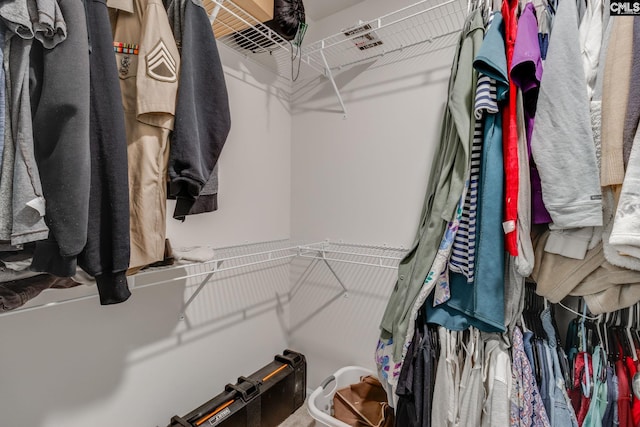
{"x":106,"y":255}
{"x":562,"y":141}
{"x":202,"y":119}
{"x":60,"y":105}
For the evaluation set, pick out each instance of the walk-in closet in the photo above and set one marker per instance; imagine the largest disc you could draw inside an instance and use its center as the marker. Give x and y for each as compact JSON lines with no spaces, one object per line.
{"x":433,"y":198}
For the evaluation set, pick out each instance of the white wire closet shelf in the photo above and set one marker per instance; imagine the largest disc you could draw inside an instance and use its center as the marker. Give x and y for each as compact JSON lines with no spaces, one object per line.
{"x":247,"y":36}
{"x":240,"y":258}
{"x":423,"y":27}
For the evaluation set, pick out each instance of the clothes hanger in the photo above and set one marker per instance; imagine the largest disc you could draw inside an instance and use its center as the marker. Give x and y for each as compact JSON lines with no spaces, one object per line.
{"x":635,"y":329}
{"x":586,"y":384}
{"x":632,"y":347}
{"x":613,"y":354}
{"x":602,"y":331}
{"x":598,"y":327}
{"x":486,"y":11}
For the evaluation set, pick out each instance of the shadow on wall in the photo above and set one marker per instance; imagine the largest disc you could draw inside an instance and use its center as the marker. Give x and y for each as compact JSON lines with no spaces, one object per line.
{"x":333,"y":327}
{"x":69,"y":358}
{"x":317,"y":93}
{"x":256,"y":75}
{"x":61,"y":358}
{"x":227,"y":299}
{"x":320,"y":87}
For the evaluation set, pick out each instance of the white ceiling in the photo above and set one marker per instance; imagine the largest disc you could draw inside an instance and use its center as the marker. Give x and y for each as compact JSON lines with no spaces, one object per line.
{"x":318,"y":9}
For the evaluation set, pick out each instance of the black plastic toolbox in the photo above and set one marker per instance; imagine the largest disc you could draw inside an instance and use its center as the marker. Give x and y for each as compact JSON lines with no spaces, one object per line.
{"x":263,"y":399}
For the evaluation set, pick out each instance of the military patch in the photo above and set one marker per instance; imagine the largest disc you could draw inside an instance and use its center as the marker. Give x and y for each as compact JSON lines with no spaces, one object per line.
{"x":160,"y":64}
{"x":125,"y":62}
{"x":130,"y":48}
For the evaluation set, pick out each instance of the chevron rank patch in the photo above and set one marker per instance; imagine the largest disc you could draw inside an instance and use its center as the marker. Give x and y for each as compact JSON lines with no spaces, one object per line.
{"x":160,"y":64}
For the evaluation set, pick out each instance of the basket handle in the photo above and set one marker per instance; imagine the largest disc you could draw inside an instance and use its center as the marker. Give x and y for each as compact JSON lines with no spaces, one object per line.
{"x":326,"y":382}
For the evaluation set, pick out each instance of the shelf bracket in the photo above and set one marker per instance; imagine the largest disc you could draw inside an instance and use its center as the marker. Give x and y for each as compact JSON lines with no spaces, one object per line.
{"x":215,"y":11}
{"x":329,"y":75}
{"x":345,"y":293}
{"x":197,"y":292}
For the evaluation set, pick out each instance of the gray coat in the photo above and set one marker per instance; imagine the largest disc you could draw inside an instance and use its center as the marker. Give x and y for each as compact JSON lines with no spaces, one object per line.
{"x":60,"y":108}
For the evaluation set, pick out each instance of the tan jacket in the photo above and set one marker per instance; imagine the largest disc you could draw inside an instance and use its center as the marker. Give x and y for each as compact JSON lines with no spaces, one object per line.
{"x":148,"y":63}
{"x":604,"y":287}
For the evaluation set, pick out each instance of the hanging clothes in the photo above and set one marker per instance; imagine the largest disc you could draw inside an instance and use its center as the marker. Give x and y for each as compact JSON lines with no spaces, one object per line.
{"x":568,"y":171}
{"x":63,"y":139}
{"x":632,"y":118}
{"x":472,"y":391}
{"x":107,"y":252}
{"x":624,"y":395}
{"x":526,"y":72}
{"x":612,"y":398}
{"x":498,"y":382}
{"x":580,"y":393}
{"x":22,"y":205}
{"x":417,"y":379}
{"x":590,"y":32}
{"x":526,"y":404}
{"x":615,"y":98}
{"x":3,"y":95}
{"x":445,"y":401}
{"x":544,"y":29}
{"x":561,"y":412}
{"x":520,"y":266}
{"x":465,"y":308}
{"x":148,"y":63}
{"x":202,"y":117}
{"x":449,"y":172}
{"x":16,"y":293}
{"x":510,"y":134}
{"x":598,"y":404}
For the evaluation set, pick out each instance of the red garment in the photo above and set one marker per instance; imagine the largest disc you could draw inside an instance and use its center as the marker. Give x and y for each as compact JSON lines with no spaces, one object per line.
{"x":579,"y":401}
{"x":624,"y":395}
{"x":635,"y":403}
{"x":510,"y":134}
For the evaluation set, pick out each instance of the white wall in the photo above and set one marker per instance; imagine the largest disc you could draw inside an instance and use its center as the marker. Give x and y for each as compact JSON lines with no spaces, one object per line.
{"x":135,"y":364}
{"x":360,"y":180}
{"x":254,"y":198}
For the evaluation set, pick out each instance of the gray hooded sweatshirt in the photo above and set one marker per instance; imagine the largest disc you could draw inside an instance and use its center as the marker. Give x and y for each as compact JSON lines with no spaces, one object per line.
{"x":562,"y":142}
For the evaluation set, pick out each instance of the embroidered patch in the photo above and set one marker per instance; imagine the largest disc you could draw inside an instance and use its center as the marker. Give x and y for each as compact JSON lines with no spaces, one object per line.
{"x":160,"y":64}
{"x":125,"y":62}
{"x":129,"y":48}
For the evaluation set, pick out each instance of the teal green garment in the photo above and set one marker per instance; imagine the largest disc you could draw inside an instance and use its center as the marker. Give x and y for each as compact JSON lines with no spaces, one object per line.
{"x":446,"y":181}
{"x":598,"y":404}
{"x":469,"y":305}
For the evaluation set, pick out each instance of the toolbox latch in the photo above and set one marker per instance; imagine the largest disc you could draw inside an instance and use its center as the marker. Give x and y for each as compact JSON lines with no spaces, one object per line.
{"x":247,"y":388}
{"x":290,"y":358}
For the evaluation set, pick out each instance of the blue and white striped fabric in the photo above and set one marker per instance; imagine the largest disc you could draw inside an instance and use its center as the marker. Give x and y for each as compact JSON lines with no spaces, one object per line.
{"x":464,"y":247}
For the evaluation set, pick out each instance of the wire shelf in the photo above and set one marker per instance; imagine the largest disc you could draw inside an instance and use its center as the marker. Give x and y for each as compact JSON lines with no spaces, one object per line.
{"x":247,"y":36}
{"x":422,"y":27}
{"x":235,"y":258}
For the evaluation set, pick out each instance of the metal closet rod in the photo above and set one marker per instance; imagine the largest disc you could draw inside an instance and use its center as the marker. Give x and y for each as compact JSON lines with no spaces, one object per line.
{"x":317,"y":250}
